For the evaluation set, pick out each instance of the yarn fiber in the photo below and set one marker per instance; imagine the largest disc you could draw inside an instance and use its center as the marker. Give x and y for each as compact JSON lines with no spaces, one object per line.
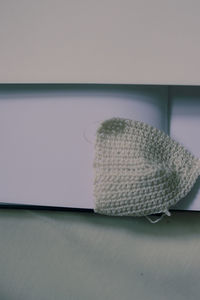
{"x":139,"y":169}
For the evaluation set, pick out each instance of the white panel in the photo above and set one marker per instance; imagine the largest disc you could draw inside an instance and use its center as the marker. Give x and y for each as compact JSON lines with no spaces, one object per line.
{"x":45,"y":158}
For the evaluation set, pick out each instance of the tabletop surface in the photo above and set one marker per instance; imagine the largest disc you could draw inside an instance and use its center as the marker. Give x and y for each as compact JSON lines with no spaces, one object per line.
{"x":82,"y":255}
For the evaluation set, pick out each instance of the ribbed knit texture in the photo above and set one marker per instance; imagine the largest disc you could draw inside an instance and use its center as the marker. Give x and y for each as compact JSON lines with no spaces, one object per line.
{"x":139,"y":170}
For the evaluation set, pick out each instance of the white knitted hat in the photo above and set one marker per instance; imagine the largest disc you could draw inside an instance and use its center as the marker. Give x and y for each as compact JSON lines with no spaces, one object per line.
{"x":139,"y":170}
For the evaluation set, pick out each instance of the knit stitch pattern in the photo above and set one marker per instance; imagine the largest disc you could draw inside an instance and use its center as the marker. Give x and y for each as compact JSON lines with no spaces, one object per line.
{"x":139,"y":169}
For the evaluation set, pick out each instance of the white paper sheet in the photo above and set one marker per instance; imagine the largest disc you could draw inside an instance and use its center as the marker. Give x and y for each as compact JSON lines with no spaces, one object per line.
{"x":47,"y":138}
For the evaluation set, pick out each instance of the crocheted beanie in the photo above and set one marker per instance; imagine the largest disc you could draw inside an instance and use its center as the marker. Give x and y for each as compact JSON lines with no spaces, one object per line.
{"x":139,"y":170}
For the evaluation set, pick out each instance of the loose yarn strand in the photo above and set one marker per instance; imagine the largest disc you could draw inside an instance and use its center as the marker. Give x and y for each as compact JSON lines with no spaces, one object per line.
{"x":165,"y":213}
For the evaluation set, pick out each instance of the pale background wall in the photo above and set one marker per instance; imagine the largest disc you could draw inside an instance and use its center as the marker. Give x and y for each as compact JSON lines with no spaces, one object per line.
{"x":107,"y":41}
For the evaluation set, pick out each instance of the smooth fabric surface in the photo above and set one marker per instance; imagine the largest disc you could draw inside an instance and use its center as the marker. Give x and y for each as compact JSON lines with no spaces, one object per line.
{"x":80,"y":255}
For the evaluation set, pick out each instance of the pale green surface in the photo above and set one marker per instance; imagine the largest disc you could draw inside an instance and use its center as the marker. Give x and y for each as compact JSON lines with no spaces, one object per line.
{"x":77,"y":255}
